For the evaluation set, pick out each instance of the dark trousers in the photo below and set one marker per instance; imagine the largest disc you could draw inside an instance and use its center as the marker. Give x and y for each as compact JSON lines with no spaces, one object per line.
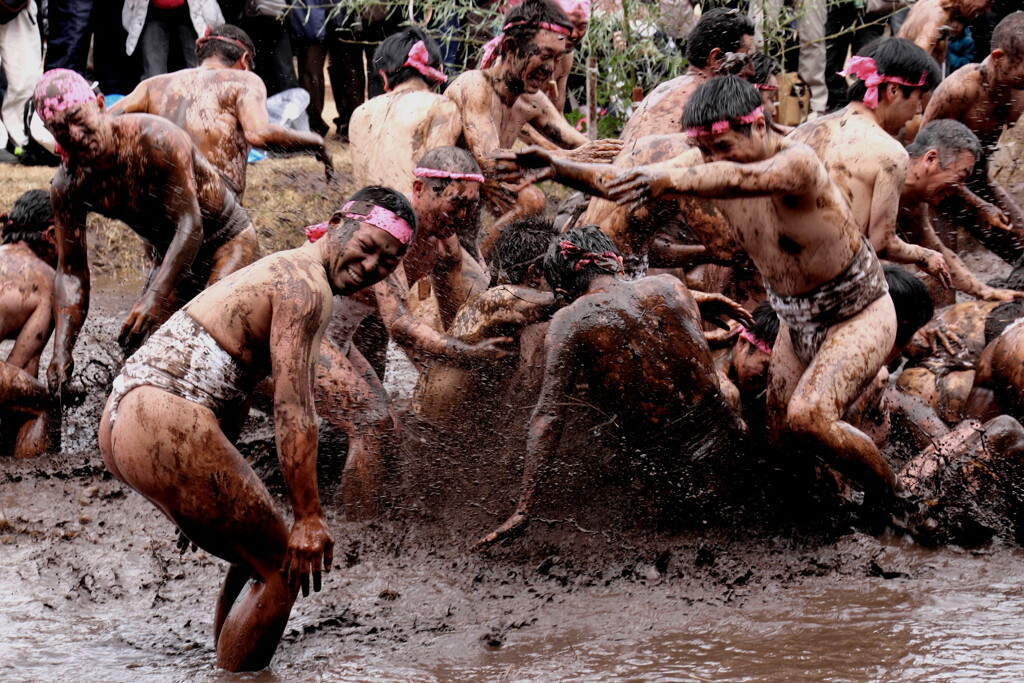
{"x":67,"y":45}
{"x":168,"y":41}
{"x":847,"y":23}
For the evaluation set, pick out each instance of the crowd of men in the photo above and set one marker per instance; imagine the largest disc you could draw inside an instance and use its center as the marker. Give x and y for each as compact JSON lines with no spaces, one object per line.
{"x":720,"y":281}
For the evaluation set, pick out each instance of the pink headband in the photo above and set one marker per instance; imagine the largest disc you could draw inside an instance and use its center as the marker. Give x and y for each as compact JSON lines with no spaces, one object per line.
{"x":59,"y":89}
{"x":417,"y":59}
{"x":719,"y":127}
{"x":374,"y":215}
{"x":491,"y":47}
{"x":421,"y":172}
{"x":866,"y":70}
{"x":608,"y":260}
{"x":759,"y":344}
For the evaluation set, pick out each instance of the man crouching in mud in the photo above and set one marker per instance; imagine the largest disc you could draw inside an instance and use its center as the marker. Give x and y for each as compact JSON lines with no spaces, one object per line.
{"x":145,"y":171}
{"x":636,"y":344}
{"x":28,"y":255}
{"x":174,"y":411}
{"x":822,"y":276}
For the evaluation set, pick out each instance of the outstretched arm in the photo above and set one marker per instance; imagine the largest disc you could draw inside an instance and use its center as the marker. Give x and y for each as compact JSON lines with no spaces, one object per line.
{"x":295,"y":332}
{"x":259,"y":132}
{"x":137,"y":101}
{"x":545,"y":425}
{"x":550,"y":122}
{"x":793,"y":170}
{"x":71,"y":284}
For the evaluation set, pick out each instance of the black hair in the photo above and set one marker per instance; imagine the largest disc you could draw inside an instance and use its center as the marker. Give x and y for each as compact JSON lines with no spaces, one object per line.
{"x":520,"y":245}
{"x":1001,"y":317}
{"x":390,"y":56}
{"x":764,"y":68}
{"x":392,"y":200}
{"x":723,"y":98}
{"x":564,"y":269}
{"x":1009,"y":35}
{"x":901,"y":58}
{"x":29,"y":218}
{"x":454,"y":159}
{"x":766,"y":323}
{"x":911,"y":300}
{"x":947,"y":137}
{"x":530,"y":15}
{"x":209,"y":46}
{"x":721,"y":28}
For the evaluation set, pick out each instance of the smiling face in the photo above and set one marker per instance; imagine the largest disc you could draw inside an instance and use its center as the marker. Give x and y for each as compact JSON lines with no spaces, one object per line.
{"x":365,"y":258}
{"x":528,"y":71}
{"x":82,"y":130}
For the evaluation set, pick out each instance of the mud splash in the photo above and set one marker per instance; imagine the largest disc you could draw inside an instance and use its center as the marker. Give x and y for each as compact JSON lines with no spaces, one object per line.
{"x":92,"y":588}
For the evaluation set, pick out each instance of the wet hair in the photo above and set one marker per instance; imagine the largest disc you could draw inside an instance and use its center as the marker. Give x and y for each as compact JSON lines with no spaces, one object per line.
{"x":1001,"y":317}
{"x":390,"y":56}
{"x":901,"y":58}
{"x":454,"y":159}
{"x":766,"y":323}
{"x":29,"y":218}
{"x":208,"y":45}
{"x":721,"y":28}
{"x":568,"y":273}
{"x":531,"y":13}
{"x":723,"y":98}
{"x":1009,"y":35}
{"x":764,"y":68}
{"x":392,"y":200}
{"x":520,"y":245}
{"x":911,"y":300}
{"x":948,"y":137}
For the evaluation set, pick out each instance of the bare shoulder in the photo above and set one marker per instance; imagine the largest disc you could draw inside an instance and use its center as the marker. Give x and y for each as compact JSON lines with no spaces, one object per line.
{"x":469,"y":83}
{"x":958,"y":91}
{"x":653,"y":148}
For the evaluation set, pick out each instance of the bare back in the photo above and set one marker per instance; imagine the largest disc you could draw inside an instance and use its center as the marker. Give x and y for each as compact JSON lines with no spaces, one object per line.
{"x":965,"y":97}
{"x":26,"y":286}
{"x":392,"y":131}
{"x":661,"y":112}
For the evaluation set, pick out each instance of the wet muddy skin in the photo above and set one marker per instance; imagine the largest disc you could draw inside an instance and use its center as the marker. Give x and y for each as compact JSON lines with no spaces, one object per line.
{"x":92,"y":586}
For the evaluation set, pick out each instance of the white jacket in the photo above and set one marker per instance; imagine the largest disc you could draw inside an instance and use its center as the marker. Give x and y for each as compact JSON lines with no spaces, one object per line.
{"x":133,"y":17}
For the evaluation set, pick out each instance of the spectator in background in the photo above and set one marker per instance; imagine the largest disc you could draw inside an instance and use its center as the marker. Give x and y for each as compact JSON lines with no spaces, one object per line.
{"x":960,"y":46}
{"x":70,"y":25}
{"x":851,"y":25}
{"x":21,"y":61}
{"x":166,"y":31}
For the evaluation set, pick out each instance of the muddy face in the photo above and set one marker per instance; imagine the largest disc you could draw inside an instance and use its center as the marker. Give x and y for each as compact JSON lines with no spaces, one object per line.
{"x":83,"y":130}
{"x":446,"y":207}
{"x":531,"y":69}
{"x":366,"y":258}
{"x":943,"y":182}
{"x":733,"y":145}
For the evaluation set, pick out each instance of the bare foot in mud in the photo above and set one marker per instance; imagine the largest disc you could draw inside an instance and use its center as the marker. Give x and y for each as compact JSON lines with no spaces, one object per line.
{"x":513,"y":527}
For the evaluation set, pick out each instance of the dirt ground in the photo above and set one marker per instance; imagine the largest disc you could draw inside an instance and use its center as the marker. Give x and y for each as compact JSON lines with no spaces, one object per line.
{"x":92,"y":587}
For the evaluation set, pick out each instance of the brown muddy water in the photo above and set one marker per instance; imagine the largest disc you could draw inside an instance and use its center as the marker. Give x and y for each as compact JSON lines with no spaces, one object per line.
{"x":92,"y":589}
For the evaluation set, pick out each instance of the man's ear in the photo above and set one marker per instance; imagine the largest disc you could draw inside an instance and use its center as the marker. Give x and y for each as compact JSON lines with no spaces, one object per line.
{"x":49,"y":235}
{"x":384,"y":79}
{"x":714,"y":57}
{"x":101,"y":102}
{"x":890,"y":90}
{"x":417,"y":186}
{"x":932,"y":157}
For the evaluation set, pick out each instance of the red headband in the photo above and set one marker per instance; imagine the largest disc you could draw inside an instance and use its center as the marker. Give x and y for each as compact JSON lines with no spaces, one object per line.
{"x":607,"y":260}
{"x":759,"y":344}
{"x":417,"y":59}
{"x":719,"y":127}
{"x":491,"y":48}
{"x":421,"y":172}
{"x":866,"y":70}
{"x":377,"y":216}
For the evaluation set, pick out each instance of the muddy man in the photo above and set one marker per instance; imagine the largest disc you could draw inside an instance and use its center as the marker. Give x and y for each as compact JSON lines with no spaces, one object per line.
{"x":223,"y":106}
{"x":636,"y":345}
{"x":145,"y":171}
{"x":174,"y":412}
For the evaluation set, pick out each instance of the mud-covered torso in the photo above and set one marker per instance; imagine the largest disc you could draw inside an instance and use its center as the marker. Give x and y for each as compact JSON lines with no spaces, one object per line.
{"x":25,"y":283}
{"x":661,"y":112}
{"x":148,"y":181}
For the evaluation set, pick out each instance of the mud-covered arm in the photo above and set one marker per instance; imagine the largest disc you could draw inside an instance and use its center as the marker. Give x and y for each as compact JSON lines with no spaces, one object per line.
{"x":260,"y":132}
{"x":551,"y":124}
{"x":137,"y":101}
{"x":445,"y":127}
{"x":28,"y":346}
{"x":473,"y":101}
{"x":450,"y":288}
{"x":885,"y":206}
{"x":988,"y":214}
{"x":179,"y":195}
{"x":546,"y":423}
{"x":951,"y":101}
{"x":71,"y":283}
{"x":296,"y":328}
{"x":961,"y":277}
{"x":419,"y":340}
{"x":794,"y":170}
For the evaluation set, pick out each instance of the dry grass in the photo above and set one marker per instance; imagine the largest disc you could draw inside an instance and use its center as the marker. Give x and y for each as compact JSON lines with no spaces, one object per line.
{"x":282,"y":196}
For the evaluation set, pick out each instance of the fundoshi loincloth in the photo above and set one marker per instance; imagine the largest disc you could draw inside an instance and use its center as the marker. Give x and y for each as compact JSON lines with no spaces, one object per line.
{"x":182,"y":358}
{"x":811,"y":314}
{"x":220,"y":229}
